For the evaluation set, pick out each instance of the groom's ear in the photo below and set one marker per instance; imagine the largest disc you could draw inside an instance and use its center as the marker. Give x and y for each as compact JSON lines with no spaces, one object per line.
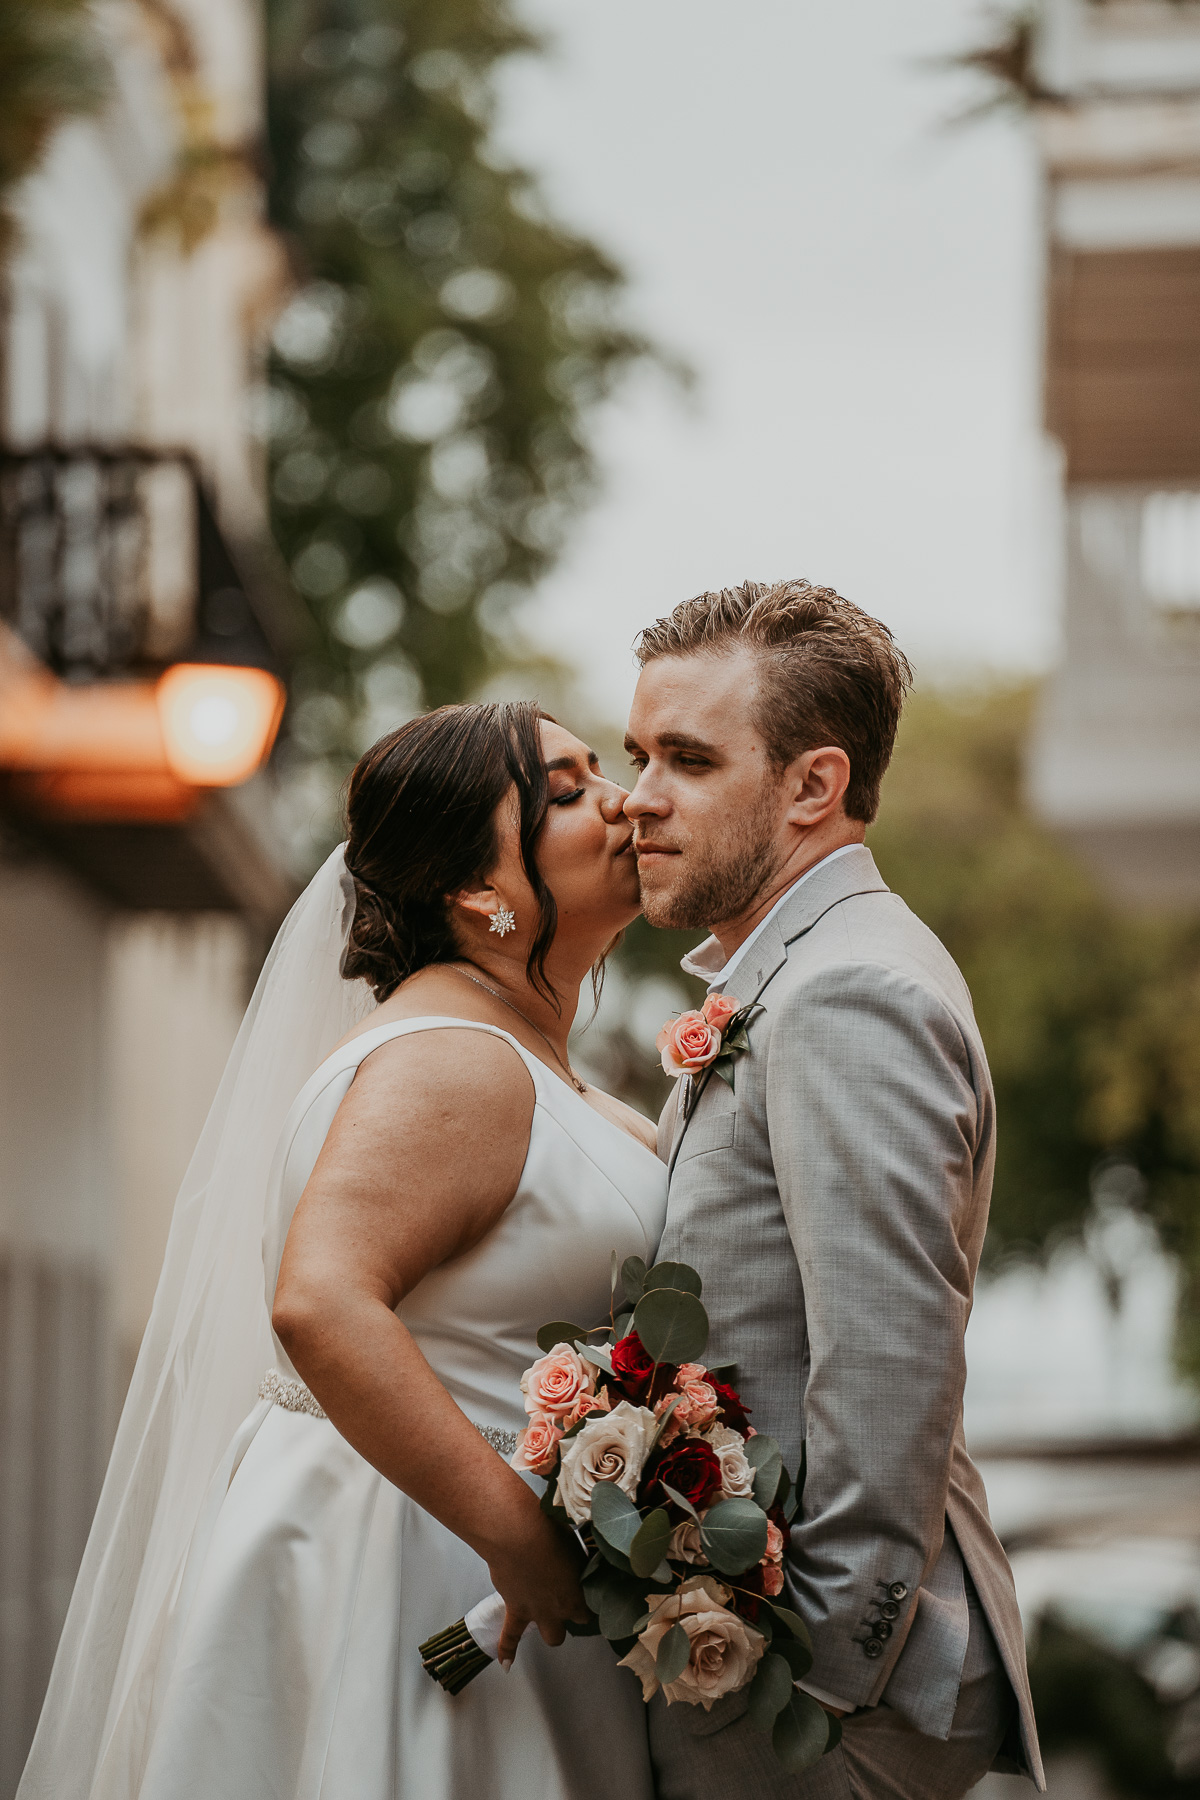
{"x":816,"y":782}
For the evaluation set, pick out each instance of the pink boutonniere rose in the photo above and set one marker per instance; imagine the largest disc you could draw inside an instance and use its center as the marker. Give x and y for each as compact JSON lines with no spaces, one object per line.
{"x":687,"y":1044}
{"x":711,"y":1038}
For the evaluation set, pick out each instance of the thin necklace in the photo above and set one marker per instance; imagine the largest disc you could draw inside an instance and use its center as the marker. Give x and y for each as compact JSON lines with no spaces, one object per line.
{"x":566,"y":1068}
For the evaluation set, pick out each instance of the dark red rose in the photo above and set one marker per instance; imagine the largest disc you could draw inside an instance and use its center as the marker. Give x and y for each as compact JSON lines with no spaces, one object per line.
{"x":733,"y":1412}
{"x":632,"y":1366}
{"x":691,"y":1468}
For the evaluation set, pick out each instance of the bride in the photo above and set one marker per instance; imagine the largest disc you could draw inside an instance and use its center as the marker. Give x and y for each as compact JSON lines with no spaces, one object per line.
{"x":262,"y":1570}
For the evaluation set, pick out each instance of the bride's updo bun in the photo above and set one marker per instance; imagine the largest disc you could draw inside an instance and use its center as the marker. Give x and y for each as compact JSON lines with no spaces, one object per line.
{"x":421,"y":817}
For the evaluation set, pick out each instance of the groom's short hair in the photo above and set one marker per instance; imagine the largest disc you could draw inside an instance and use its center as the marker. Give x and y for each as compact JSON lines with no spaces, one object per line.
{"x":831,"y":674}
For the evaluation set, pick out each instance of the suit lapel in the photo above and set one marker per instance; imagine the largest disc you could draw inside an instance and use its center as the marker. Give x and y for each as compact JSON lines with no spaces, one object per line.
{"x":854,"y":873}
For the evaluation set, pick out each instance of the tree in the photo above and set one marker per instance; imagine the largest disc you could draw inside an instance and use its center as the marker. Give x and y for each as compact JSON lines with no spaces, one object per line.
{"x":1090,"y":1015}
{"x":434,"y":373}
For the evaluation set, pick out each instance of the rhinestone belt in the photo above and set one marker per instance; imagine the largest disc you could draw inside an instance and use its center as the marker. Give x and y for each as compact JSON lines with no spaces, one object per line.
{"x":293,"y":1396}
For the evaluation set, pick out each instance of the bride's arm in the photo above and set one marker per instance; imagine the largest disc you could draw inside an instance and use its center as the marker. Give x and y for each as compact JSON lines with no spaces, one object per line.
{"x":422,"y":1158}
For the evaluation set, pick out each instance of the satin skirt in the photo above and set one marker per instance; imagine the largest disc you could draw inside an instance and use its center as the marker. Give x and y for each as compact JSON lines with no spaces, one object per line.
{"x":294,"y":1673}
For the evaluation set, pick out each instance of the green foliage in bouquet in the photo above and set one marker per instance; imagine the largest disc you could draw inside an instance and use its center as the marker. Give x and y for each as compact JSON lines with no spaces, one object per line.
{"x":632,"y":1575}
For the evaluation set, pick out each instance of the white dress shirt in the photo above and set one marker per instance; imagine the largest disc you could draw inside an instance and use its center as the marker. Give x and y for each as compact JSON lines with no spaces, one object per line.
{"x":707,"y":961}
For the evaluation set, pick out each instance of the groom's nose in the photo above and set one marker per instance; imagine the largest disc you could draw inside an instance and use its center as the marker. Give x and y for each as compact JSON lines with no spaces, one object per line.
{"x":643,"y":803}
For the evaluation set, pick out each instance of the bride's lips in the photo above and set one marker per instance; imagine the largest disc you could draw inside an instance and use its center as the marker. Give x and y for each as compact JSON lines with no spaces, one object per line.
{"x":626,"y":848}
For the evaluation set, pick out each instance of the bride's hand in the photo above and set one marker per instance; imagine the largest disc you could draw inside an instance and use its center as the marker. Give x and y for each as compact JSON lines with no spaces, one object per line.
{"x":538,"y":1579}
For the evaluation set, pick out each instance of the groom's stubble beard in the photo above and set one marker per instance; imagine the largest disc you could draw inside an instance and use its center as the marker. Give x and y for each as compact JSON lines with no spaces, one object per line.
{"x":719,"y":881}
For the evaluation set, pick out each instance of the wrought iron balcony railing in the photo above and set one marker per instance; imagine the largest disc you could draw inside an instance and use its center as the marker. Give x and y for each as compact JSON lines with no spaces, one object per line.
{"x":112,"y":564}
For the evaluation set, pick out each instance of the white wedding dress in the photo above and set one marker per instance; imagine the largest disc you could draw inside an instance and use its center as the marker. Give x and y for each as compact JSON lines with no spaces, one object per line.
{"x":290,"y":1667}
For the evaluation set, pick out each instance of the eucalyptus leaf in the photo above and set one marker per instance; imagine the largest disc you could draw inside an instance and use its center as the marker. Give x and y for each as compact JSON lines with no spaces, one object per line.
{"x":621,"y":1325}
{"x":726,"y":1372}
{"x":615,"y":1519}
{"x":674,"y":1275}
{"x":770,"y":1691}
{"x":800,"y":1733}
{"x":620,"y":1611}
{"x":835,"y":1733}
{"x":649,"y":1547}
{"x":614,"y":1598}
{"x":798,"y":1656}
{"x":558,"y":1332}
{"x":673,"y":1494}
{"x":616,"y":1558}
{"x":763,"y":1455}
{"x":725,"y":1071}
{"x":599,"y":1355}
{"x":674,"y":1654}
{"x":734,"y":1535}
{"x":633,"y":1278}
{"x":793,"y":1623}
{"x":672,"y":1325}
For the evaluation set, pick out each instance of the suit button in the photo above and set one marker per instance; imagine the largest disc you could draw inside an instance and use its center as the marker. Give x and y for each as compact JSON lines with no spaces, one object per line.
{"x":872,"y":1648}
{"x":889,"y":1610}
{"x":898,"y":1591}
{"x":882,"y":1629}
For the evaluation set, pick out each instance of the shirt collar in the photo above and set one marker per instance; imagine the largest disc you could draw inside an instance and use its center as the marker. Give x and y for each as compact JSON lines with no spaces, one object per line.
{"x":707,"y":959}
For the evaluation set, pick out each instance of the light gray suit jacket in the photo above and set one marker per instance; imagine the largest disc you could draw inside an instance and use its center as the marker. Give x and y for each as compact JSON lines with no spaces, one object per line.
{"x":835,"y":1203}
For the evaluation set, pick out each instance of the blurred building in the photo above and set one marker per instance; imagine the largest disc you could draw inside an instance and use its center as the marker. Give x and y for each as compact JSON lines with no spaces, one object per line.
{"x":143,"y":637}
{"x":1116,"y":759}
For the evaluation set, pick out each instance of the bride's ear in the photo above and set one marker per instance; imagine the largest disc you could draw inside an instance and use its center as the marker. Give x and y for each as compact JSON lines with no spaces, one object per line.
{"x":482,"y":902}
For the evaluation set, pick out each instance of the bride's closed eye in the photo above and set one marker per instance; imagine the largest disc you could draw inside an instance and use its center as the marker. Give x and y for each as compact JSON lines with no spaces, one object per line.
{"x":566,"y":799}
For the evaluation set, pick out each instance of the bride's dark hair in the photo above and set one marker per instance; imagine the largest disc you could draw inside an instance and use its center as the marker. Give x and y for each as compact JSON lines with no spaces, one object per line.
{"x":421,"y":819}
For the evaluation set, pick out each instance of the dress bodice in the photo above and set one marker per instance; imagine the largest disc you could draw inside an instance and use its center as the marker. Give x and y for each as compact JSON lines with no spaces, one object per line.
{"x":587,"y":1188}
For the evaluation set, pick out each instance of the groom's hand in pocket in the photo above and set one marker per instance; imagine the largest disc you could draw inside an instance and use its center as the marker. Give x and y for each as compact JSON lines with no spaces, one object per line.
{"x":537,"y":1575}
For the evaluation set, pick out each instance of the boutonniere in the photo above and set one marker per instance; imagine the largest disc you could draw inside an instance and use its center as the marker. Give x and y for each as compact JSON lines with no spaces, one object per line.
{"x":712,"y":1038}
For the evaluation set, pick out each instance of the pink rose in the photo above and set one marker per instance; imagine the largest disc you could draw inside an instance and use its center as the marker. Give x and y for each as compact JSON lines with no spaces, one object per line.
{"x":537,"y":1445}
{"x":687,"y":1044}
{"x":674,"y":1425}
{"x":599,"y":1402}
{"x":555,"y":1383}
{"x":690,"y":1372}
{"x":697,"y":1404}
{"x":772,"y":1580}
{"x":718,"y":1009}
{"x":774,"y":1542}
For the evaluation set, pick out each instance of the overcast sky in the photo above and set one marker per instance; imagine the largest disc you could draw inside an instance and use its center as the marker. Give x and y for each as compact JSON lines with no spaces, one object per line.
{"x":857,"y":289}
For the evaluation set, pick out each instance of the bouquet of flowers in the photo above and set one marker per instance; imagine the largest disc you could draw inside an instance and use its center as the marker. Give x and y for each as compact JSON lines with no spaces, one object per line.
{"x":681,"y":1507}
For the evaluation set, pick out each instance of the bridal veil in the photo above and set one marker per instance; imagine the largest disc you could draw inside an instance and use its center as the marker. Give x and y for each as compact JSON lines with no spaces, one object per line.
{"x":202,"y":1358}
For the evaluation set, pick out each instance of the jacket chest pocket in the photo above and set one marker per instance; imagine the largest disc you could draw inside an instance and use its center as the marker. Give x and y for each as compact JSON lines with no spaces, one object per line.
{"x":713,"y":1125}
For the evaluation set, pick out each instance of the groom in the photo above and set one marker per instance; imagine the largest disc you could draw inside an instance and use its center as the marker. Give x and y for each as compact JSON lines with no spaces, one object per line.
{"x":835,"y":1200}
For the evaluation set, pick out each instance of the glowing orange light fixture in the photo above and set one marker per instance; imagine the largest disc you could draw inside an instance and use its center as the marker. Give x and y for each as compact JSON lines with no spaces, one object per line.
{"x":218,"y":721}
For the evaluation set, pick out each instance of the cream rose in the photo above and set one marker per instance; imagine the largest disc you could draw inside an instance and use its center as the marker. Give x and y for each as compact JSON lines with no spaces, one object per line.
{"x":687,"y":1044}
{"x":725,"y":1651}
{"x":737,"y":1477}
{"x":611,"y":1447}
{"x":555,"y":1382}
{"x":685,"y":1545}
{"x":537,"y":1444}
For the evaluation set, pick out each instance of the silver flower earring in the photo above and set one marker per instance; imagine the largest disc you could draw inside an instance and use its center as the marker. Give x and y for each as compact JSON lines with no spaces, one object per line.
{"x":503,"y":922}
